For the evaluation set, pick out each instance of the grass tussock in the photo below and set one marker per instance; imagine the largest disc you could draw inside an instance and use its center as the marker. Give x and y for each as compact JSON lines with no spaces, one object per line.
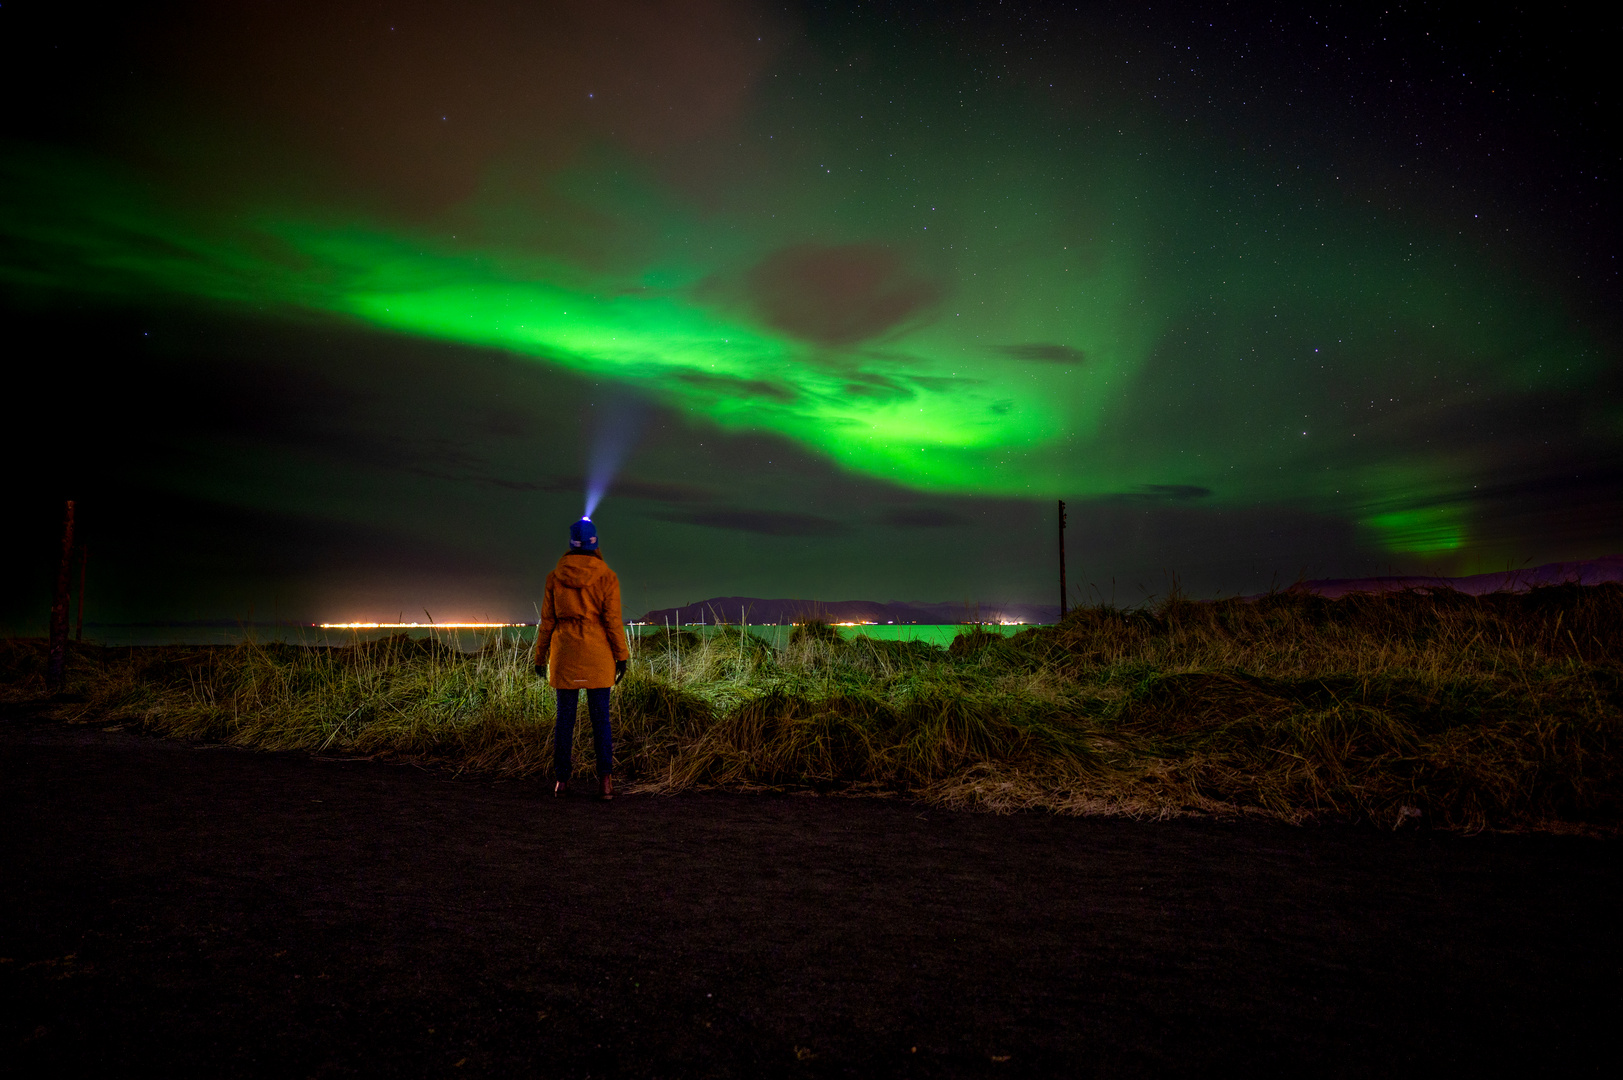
{"x":1436,"y":708}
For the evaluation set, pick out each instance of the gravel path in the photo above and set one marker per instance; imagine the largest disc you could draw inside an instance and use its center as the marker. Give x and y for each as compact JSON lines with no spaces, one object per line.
{"x":211,"y":911}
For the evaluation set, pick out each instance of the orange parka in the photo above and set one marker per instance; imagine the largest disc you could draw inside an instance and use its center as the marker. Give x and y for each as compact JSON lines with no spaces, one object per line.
{"x":580,"y":636}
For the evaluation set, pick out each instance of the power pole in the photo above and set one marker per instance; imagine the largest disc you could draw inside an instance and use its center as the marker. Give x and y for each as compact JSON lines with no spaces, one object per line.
{"x":1062,"y":558}
{"x":84,"y":557}
{"x":59,"y":608}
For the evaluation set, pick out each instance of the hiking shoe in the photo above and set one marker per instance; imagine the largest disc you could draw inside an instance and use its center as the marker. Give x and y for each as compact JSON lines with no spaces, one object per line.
{"x":605,"y":787}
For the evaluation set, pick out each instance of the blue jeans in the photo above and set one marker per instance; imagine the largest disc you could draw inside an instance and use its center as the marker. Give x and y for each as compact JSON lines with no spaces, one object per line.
{"x":563,"y":732}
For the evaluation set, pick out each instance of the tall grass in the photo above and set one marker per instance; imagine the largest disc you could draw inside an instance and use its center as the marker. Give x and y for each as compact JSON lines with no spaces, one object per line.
{"x":1442,"y":709}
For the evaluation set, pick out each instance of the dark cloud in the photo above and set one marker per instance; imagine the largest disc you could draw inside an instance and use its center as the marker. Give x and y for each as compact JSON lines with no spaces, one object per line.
{"x":763,"y":522}
{"x":526,"y":485}
{"x":1048,"y":353}
{"x":837,"y":295}
{"x":722,"y":386}
{"x":1579,"y":499}
{"x":921,"y":517}
{"x":867,"y":384}
{"x":1162,"y":493}
{"x":652,"y":491}
{"x":655,"y":491}
{"x":944,"y":384}
{"x":505,"y":423}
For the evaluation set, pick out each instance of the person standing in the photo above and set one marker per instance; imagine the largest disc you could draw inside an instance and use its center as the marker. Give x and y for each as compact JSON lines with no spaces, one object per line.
{"x":581,"y":645}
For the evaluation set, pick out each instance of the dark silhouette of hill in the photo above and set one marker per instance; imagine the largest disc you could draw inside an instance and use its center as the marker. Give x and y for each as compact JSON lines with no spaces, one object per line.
{"x":753,"y":609}
{"x":1588,"y":572}
{"x":733,"y":609}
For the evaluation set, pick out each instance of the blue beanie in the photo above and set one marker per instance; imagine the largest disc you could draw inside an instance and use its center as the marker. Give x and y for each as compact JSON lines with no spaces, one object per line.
{"x":583,"y":535}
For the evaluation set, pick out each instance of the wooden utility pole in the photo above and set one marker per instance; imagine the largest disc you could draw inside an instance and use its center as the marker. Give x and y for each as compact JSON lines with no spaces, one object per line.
{"x":59,"y":608}
{"x":1062,"y":558}
{"x":84,"y":557}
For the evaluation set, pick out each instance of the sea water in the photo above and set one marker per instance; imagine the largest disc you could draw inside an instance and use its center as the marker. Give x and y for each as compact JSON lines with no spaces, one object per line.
{"x":778,"y":636}
{"x":470,"y":640}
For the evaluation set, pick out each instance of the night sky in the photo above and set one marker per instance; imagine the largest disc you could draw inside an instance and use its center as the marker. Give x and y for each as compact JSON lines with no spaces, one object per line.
{"x":325,"y":311}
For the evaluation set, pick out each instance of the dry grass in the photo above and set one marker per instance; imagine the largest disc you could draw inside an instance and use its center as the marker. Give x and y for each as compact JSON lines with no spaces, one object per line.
{"x":1464,"y":713}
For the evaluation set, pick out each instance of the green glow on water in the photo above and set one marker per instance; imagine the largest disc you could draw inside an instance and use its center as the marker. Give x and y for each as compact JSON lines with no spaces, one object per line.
{"x":934,"y":635}
{"x":778,"y":636}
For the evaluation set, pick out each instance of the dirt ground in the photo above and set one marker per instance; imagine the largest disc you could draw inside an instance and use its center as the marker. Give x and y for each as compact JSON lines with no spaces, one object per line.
{"x":201,"y":910}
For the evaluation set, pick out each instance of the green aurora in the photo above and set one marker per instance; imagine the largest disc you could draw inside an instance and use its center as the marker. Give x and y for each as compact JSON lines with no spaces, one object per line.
{"x":997,"y":297}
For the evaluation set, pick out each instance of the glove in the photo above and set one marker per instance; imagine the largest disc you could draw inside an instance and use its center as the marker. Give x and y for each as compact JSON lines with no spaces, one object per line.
{"x":619,"y":671}
{"x":541,"y":671}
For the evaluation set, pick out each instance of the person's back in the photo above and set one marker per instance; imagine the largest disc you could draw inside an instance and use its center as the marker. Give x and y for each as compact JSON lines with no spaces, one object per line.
{"x":583,"y":601}
{"x":581,"y":645}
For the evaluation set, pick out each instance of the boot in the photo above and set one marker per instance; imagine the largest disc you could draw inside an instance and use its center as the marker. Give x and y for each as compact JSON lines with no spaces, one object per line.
{"x":605,"y":787}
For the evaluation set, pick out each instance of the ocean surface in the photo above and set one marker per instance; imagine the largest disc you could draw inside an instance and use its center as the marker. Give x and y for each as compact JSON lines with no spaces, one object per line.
{"x":941,"y":634}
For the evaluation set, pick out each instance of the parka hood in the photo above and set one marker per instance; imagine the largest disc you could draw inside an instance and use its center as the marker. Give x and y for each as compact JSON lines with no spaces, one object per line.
{"x":578,"y":571}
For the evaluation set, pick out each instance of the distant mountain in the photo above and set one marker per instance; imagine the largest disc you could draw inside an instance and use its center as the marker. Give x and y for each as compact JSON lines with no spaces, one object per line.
{"x":732,"y":609}
{"x":1590,"y":572}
